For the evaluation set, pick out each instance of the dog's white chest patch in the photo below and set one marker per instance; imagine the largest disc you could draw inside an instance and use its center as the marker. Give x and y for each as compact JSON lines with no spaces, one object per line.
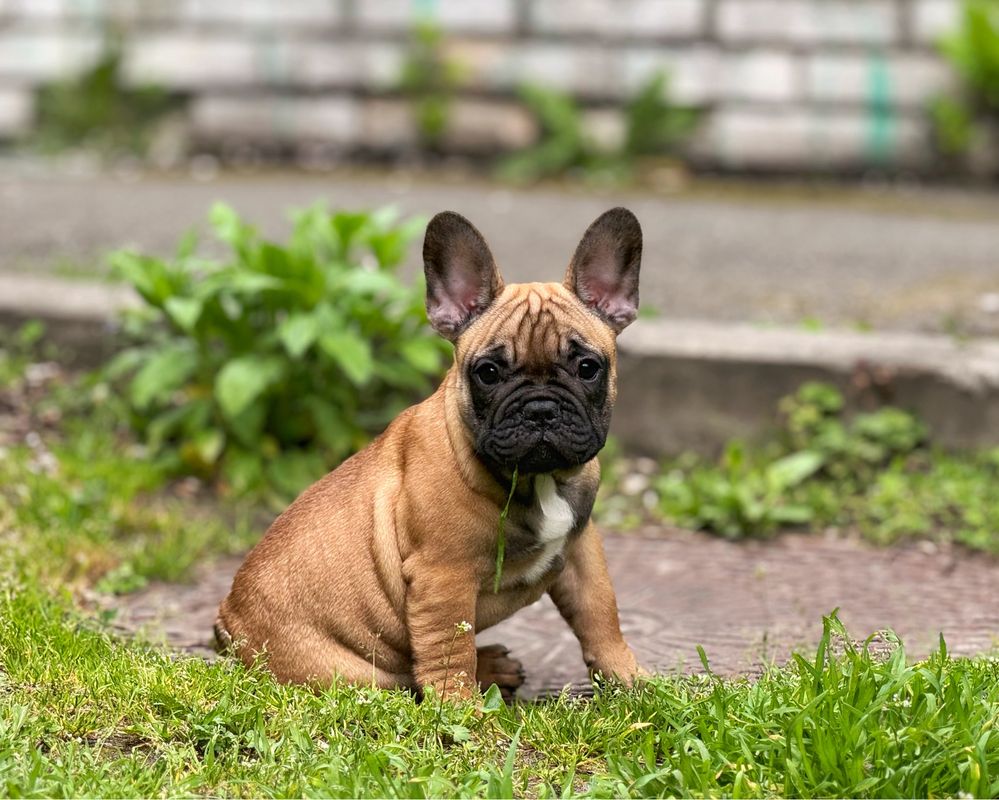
{"x":556,"y":517}
{"x":555,"y":520}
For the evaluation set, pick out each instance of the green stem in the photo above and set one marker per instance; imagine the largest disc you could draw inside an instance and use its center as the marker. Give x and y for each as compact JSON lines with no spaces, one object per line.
{"x":501,"y":541}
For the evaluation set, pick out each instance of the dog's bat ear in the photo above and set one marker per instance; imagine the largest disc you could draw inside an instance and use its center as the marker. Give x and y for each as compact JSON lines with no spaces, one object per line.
{"x":462,"y":278}
{"x":604,"y":270}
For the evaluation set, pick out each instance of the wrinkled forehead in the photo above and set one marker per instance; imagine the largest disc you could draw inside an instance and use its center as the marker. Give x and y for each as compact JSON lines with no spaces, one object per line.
{"x":535,"y":323}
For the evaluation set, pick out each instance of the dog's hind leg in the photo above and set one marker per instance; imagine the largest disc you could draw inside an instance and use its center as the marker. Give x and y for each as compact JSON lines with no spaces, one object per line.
{"x":494,"y":665}
{"x":223,"y":641}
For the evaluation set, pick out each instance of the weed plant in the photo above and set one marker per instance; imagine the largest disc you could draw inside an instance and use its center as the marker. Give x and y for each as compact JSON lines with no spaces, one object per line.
{"x":267,"y":367}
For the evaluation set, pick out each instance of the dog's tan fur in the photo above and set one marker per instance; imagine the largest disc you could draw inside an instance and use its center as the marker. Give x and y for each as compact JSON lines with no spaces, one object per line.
{"x":370,"y":572}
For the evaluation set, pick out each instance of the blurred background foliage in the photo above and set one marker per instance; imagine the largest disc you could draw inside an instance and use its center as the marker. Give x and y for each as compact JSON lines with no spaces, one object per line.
{"x":96,"y":111}
{"x":970,"y":119}
{"x":430,"y":80}
{"x":107,"y":108}
{"x":99,"y":112}
{"x":653,"y":126}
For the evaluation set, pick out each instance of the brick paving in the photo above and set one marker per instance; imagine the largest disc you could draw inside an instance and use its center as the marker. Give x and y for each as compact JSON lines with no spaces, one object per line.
{"x":746,"y":603}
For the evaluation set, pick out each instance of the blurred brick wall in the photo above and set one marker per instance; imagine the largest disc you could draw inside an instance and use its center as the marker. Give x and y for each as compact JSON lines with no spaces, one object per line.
{"x":794,"y":84}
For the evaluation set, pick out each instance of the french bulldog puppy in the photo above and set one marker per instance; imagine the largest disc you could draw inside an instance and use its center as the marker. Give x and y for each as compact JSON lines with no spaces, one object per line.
{"x":381,"y":571}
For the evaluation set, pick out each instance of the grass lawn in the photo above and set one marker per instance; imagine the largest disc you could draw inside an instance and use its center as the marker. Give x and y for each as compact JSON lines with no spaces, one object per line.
{"x":84,"y":713}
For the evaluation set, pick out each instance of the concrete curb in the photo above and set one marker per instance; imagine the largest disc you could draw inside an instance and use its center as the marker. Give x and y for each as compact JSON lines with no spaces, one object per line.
{"x":683,"y":385}
{"x":693,"y":385}
{"x":80,"y":316}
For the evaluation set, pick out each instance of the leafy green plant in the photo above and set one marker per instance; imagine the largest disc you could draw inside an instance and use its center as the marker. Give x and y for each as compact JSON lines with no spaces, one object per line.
{"x":802,"y":478}
{"x":273,"y":364}
{"x":973,"y":51}
{"x":653,"y":126}
{"x":736,"y":498}
{"x":814,"y":423}
{"x":953,"y":126}
{"x":430,"y":80}
{"x":96,"y":110}
{"x":876,"y":474}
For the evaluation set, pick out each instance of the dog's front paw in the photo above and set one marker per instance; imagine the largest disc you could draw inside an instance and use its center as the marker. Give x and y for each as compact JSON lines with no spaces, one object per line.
{"x":619,"y":666}
{"x":496,"y":666}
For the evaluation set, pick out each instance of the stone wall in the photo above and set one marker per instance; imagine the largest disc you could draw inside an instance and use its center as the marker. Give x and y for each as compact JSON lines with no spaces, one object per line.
{"x":785,"y":84}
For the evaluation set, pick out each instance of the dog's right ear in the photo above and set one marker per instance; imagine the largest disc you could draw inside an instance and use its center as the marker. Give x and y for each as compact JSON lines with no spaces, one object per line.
{"x":462,"y":278}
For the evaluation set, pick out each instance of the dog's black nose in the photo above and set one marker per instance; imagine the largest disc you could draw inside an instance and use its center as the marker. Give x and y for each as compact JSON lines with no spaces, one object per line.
{"x":540,"y":410}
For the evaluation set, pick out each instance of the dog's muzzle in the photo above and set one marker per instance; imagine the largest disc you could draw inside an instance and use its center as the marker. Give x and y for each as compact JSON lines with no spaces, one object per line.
{"x":540,"y":431}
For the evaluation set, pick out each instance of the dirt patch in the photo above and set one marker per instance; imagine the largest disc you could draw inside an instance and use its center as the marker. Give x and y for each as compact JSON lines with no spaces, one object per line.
{"x":746,"y":603}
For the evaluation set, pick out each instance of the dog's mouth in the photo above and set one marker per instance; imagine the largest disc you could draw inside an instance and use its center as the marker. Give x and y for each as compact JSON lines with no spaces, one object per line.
{"x":536,"y":453}
{"x":543,"y":457}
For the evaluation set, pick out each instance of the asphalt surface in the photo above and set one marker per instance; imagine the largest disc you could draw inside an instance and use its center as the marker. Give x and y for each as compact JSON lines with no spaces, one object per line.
{"x":881,"y":258}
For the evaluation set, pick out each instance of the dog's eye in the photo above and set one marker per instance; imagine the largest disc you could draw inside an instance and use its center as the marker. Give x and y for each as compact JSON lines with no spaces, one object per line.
{"x":588,"y":369}
{"x":487,"y":373}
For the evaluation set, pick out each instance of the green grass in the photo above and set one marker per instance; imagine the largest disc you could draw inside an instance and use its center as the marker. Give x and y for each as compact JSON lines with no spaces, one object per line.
{"x":85,"y":505}
{"x":99,"y":518}
{"x":84,"y":713}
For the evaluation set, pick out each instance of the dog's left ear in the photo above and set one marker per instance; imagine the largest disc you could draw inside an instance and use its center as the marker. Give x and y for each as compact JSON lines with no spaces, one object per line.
{"x":462,"y":277}
{"x":604,"y":271}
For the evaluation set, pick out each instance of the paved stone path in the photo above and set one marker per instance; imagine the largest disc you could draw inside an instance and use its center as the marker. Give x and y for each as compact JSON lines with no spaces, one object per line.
{"x":746,"y":603}
{"x":913,"y":259}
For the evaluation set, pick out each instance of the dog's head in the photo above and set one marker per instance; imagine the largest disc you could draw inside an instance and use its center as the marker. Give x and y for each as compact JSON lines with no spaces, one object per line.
{"x":535,"y":362}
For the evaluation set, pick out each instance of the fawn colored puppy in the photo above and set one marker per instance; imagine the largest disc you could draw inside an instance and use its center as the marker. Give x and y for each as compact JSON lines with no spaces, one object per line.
{"x":372,"y":571}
